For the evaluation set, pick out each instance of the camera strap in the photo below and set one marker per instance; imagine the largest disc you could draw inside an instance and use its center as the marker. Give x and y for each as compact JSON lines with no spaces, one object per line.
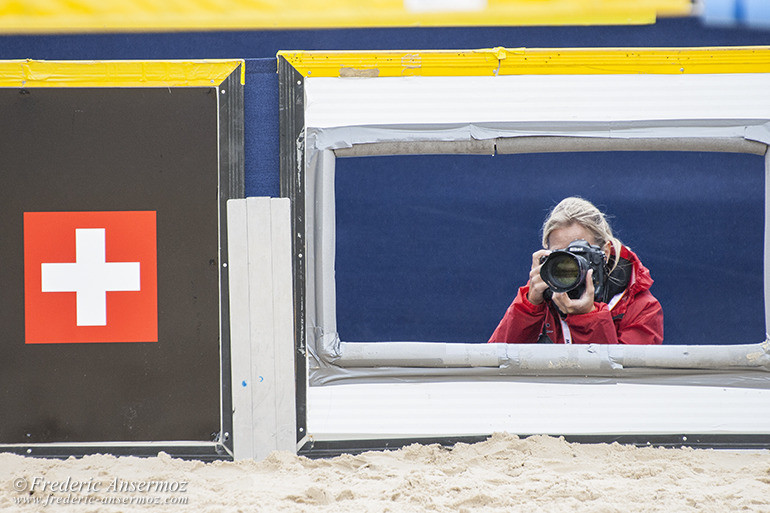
{"x":565,"y":331}
{"x":614,"y":301}
{"x":565,"y":327}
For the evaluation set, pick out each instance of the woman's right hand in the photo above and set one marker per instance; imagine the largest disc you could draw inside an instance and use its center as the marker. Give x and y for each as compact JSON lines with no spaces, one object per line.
{"x":536,"y":284}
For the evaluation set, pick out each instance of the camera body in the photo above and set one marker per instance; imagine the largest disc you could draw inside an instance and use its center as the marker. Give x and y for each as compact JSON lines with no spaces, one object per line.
{"x":565,"y":270}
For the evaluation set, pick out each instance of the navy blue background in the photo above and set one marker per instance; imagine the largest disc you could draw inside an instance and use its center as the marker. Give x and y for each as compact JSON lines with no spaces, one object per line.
{"x":262,"y":82}
{"x":433,"y":247}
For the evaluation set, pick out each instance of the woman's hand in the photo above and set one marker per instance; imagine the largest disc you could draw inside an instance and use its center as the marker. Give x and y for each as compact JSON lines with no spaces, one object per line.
{"x":536,"y":284}
{"x":581,"y":305}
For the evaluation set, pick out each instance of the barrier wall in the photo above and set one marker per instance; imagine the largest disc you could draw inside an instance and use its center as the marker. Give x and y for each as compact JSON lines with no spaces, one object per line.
{"x":362,"y":183}
{"x":492,"y":274}
{"x":115,"y":312}
{"x":503,"y":103}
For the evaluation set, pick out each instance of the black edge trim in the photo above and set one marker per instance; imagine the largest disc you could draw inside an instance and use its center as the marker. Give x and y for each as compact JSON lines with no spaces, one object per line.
{"x":292,"y":176}
{"x":191,"y":452}
{"x":331,"y":449}
{"x":231,"y":185}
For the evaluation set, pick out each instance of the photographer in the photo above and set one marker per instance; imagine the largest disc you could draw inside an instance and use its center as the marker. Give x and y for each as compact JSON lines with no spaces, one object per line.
{"x":611,"y":303}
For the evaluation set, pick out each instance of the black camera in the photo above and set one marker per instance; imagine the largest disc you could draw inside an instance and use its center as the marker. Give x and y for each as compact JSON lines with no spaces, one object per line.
{"x":565,"y":270}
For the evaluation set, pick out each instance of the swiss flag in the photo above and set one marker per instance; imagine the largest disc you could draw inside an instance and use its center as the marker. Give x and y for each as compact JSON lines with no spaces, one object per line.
{"x":90,"y":277}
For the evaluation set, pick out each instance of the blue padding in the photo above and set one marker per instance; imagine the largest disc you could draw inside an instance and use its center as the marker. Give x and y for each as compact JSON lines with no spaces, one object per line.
{"x":751,"y":13}
{"x":434,"y":247}
{"x":758,"y":13}
{"x":257,"y":44}
{"x":261,"y":85}
{"x":720,"y":12}
{"x":261,"y":128}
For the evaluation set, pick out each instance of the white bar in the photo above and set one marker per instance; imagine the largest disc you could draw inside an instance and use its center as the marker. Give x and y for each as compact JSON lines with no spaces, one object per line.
{"x":262,"y":327}
{"x":240,"y":347}
{"x":398,"y":410}
{"x":263,"y":376}
{"x":283,"y":325}
{"x":336,"y":102}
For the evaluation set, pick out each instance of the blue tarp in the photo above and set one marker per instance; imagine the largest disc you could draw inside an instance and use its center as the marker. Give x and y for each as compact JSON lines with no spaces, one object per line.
{"x":435,"y":247}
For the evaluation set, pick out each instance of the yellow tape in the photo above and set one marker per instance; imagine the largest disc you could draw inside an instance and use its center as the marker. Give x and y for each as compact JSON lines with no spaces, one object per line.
{"x":529,"y":61}
{"x":29,"y":73}
{"x":46,"y":16}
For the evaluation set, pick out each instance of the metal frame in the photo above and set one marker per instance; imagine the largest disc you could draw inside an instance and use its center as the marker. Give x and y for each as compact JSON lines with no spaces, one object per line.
{"x":231,"y":186}
{"x":292,"y":179}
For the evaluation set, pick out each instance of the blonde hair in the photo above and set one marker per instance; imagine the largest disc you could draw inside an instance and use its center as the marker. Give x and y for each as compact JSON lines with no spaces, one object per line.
{"x":577,"y":210}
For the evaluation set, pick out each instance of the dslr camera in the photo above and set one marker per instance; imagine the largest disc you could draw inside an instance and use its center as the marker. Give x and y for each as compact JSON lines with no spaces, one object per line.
{"x":565,"y":270}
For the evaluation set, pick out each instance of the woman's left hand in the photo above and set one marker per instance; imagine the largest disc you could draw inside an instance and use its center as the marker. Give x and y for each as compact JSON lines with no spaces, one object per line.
{"x":583,"y":304}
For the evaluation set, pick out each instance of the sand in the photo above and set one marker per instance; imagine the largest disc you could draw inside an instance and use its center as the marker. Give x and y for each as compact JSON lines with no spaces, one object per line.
{"x":502,"y":474}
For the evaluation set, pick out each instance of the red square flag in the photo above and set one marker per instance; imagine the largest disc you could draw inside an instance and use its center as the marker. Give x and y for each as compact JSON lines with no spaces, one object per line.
{"x":90,"y":277}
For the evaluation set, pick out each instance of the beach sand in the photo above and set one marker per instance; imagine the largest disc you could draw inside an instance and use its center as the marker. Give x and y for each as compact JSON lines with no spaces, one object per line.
{"x":501,"y":474}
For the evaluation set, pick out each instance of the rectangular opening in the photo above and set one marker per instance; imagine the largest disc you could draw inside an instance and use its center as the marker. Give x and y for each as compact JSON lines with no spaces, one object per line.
{"x":433,"y":248}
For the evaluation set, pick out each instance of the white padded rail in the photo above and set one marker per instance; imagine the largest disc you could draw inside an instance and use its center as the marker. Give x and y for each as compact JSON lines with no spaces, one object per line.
{"x":395,"y":390}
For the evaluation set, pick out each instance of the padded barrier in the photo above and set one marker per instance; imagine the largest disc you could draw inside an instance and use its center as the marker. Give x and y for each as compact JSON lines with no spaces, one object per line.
{"x":550,"y":144}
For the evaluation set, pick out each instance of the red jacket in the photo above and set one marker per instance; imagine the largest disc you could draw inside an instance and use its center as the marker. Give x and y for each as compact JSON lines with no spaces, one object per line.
{"x":636,"y":319}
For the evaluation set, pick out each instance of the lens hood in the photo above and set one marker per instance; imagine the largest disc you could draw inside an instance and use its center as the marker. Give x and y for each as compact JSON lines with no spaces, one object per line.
{"x":564,"y":271}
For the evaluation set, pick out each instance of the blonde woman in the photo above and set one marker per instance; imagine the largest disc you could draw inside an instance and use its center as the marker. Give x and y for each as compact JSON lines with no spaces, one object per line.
{"x":630,"y":315}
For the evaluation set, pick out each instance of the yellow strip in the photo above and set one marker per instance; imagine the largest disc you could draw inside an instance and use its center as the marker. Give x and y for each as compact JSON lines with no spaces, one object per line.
{"x":29,"y":73}
{"x":67,"y":16}
{"x":531,"y":61}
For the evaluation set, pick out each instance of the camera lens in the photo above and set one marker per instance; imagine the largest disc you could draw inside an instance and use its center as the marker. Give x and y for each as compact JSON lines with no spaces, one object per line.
{"x":564,"y":271}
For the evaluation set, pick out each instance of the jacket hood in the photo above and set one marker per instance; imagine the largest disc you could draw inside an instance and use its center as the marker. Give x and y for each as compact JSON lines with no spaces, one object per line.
{"x":640,"y":278}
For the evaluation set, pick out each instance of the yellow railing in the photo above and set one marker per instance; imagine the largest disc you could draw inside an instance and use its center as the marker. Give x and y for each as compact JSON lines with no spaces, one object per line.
{"x":527,"y":61}
{"x":57,"y":16}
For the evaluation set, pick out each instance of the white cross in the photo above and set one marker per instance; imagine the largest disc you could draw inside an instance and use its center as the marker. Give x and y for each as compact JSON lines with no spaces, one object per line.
{"x":90,"y":277}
